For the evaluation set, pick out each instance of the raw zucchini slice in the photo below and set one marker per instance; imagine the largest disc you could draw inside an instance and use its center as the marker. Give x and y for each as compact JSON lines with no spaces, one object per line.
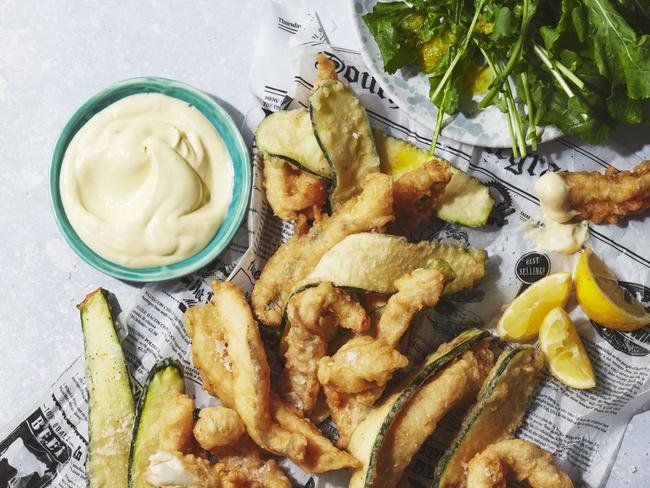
{"x":497,"y":414}
{"x":367,"y":439}
{"x":289,"y":135}
{"x":465,"y":201}
{"x":110,"y":400}
{"x":372,"y":262}
{"x":164,"y":382}
{"x":343,"y":132}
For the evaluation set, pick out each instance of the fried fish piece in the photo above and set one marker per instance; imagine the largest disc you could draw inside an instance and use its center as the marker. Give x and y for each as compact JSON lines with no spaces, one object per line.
{"x":325,"y":69}
{"x":217,"y":368}
{"x":416,"y":290}
{"x":360,"y":364}
{"x":217,"y":427}
{"x":177,"y":470}
{"x":293,"y":261}
{"x":459,"y":381}
{"x":515,"y":459}
{"x":417,"y":194}
{"x":292,"y":192}
{"x":175,"y":425}
{"x":306,"y":341}
{"x":607,"y":197}
{"x":246,"y":460}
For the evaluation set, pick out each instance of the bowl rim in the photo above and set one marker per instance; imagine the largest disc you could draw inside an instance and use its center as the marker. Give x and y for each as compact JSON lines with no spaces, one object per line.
{"x":233,"y":142}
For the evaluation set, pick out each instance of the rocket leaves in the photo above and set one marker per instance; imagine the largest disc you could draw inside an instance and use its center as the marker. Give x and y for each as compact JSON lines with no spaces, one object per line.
{"x":582,"y":65}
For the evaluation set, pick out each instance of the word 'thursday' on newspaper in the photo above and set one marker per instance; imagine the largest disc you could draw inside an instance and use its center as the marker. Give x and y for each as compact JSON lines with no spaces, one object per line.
{"x":48,"y":447}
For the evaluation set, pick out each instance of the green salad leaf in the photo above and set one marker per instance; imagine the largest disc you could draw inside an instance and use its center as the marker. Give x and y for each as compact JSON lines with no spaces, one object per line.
{"x":582,"y":65}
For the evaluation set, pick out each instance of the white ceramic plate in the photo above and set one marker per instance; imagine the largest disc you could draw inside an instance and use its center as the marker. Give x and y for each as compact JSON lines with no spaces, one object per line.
{"x":487,"y":128}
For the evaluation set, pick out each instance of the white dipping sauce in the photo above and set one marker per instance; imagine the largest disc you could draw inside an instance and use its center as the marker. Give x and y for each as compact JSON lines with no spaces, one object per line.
{"x":147,"y":181}
{"x":553,"y":232}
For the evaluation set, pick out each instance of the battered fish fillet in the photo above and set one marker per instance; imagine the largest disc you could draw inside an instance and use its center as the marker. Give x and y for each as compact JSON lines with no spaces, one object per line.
{"x":293,"y":261}
{"x":515,"y":459}
{"x":459,"y":381}
{"x":417,"y":194}
{"x":174,"y":464}
{"x":292,"y":192}
{"x":246,"y":460}
{"x":325,"y":69}
{"x":176,"y":470}
{"x":360,"y":364}
{"x":610,"y":196}
{"x":306,"y":341}
{"x":416,"y":290}
{"x":217,"y":427}
{"x":217,"y":367}
{"x":175,"y":425}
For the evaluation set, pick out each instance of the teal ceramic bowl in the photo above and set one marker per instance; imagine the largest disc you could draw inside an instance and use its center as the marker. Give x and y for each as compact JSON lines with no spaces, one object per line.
{"x":242,"y":177}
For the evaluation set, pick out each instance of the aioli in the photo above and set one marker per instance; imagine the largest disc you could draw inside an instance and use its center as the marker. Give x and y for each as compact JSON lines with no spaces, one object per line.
{"x":552,"y":232}
{"x":147,"y":181}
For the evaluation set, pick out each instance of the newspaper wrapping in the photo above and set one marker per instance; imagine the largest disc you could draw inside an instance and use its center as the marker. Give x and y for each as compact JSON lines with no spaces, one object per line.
{"x":582,"y":428}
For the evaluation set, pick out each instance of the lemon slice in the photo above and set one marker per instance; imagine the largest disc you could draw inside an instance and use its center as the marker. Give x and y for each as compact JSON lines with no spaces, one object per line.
{"x":565,"y":354}
{"x":603,"y":300}
{"x":521,"y":320}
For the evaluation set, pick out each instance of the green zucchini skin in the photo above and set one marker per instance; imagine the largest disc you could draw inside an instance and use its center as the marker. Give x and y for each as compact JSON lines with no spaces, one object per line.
{"x":465,"y":200}
{"x":342,"y":129}
{"x":289,"y":135}
{"x":164,"y":381}
{"x":372,"y":262}
{"x":110,"y":397}
{"x":497,"y":414}
{"x":367,"y":440}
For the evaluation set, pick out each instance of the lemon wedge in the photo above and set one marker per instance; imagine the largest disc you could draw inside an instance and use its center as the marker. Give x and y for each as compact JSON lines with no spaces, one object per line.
{"x":564,"y":351}
{"x":521,"y":320}
{"x":603,"y":299}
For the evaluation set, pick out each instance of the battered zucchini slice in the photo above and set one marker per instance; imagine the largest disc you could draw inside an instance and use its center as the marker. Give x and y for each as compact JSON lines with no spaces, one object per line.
{"x":498,"y":412}
{"x":367,"y":440}
{"x":164,"y":382}
{"x":110,"y":400}
{"x":465,"y":201}
{"x":343,"y":132}
{"x":288,"y":135}
{"x":372,"y":262}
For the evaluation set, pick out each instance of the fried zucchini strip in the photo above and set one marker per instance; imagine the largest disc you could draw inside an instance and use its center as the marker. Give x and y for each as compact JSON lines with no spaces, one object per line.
{"x":293,"y":261}
{"x":306,"y":339}
{"x":251,"y":374}
{"x":292,"y":192}
{"x":518,"y":459}
{"x":419,"y":418}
